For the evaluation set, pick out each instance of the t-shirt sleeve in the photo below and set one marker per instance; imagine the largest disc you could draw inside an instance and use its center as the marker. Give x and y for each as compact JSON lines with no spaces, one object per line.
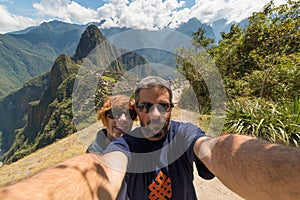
{"x":203,"y":171}
{"x":118,"y":144}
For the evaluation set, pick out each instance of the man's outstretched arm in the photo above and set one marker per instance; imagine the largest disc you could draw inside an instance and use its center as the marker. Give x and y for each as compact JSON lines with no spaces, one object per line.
{"x":253,"y":168}
{"x":86,"y":176}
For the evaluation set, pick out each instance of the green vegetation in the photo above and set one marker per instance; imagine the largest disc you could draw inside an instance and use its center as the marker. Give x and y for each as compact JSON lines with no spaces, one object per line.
{"x":106,"y":78}
{"x":21,"y":60}
{"x":26,"y":55}
{"x":41,"y":159}
{"x":260,"y":68}
{"x":263,"y":59}
{"x":278,"y":123}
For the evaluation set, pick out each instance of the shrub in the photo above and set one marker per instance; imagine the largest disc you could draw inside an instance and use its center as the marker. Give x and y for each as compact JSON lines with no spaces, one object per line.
{"x":278,"y":123}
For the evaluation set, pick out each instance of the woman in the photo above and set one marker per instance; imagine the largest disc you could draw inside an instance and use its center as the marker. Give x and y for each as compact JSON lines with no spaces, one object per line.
{"x":117,"y":115}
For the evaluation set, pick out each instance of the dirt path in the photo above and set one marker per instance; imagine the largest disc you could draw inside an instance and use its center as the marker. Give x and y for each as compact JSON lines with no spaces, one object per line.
{"x":213,"y":190}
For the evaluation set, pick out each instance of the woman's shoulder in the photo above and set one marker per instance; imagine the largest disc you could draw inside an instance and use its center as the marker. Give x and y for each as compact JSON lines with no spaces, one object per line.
{"x":102,"y":133}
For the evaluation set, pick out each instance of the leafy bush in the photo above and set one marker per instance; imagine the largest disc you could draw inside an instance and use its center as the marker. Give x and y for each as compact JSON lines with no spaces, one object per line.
{"x":278,"y":123}
{"x":189,"y":101}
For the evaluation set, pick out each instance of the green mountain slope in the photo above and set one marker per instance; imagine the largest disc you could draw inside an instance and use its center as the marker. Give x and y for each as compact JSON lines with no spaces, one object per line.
{"x":20,"y":61}
{"x":25,"y":55}
{"x":14,"y":108}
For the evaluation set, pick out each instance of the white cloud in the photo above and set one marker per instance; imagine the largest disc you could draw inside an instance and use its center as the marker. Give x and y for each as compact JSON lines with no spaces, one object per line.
{"x":10,"y":22}
{"x":158,"y":14}
{"x":66,"y":10}
{"x":232,"y":10}
{"x":148,"y":14}
{"x":139,"y":13}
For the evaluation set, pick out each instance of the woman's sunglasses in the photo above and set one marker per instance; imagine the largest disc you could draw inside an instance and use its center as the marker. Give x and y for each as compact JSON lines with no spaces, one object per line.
{"x":116,"y":113}
{"x":145,"y":107}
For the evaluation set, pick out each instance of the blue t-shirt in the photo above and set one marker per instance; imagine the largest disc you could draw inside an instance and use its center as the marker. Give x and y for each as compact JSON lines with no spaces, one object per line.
{"x":161,"y":169}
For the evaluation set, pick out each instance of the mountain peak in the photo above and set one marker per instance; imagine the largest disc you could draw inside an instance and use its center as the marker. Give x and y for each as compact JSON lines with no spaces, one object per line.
{"x":90,"y":38}
{"x":193,"y":25}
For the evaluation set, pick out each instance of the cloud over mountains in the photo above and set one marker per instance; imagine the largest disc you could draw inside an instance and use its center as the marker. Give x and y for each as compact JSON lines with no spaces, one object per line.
{"x":144,"y":14}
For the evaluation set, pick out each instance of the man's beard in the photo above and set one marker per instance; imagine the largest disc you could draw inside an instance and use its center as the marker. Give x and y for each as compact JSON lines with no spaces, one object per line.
{"x":156,"y":134}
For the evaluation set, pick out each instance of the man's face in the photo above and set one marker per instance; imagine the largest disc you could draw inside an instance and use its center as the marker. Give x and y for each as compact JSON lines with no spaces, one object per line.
{"x":154,"y":111}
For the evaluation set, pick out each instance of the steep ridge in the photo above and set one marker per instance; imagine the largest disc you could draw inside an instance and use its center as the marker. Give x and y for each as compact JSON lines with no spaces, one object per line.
{"x":14,"y":107}
{"x":90,"y":39}
{"x":40,"y":111}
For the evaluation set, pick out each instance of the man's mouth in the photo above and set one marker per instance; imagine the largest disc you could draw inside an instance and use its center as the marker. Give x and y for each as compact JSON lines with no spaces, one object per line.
{"x":156,"y":125}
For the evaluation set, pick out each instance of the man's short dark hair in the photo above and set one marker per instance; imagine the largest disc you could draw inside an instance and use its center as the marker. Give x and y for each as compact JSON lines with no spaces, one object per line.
{"x":150,"y":82}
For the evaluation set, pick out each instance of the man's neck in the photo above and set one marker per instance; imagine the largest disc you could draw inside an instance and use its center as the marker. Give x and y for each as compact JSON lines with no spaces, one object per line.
{"x":156,"y":137}
{"x":159,"y":135}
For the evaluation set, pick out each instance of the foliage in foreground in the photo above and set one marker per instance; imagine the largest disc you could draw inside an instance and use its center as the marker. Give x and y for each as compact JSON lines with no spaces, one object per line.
{"x":279,"y":123}
{"x":262,"y":60}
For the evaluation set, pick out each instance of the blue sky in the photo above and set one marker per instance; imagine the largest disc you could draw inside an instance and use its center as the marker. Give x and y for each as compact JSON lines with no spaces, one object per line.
{"x":19,"y":14}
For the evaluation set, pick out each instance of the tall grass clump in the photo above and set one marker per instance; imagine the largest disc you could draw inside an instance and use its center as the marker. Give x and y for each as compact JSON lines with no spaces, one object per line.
{"x":279,"y":123}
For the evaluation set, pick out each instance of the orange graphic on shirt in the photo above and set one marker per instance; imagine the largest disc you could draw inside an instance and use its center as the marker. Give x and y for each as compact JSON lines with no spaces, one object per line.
{"x":160,"y":188}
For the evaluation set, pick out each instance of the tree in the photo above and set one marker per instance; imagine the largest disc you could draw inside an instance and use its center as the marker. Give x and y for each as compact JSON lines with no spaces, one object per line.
{"x":199,"y":40}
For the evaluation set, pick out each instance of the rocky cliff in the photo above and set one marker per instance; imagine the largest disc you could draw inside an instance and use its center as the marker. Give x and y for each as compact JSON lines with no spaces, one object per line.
{"x":14,"y":107}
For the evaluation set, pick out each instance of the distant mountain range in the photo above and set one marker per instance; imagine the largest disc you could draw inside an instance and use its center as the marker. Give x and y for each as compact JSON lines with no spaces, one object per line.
{"x":27,"y":53}
{"x":32,"y":52}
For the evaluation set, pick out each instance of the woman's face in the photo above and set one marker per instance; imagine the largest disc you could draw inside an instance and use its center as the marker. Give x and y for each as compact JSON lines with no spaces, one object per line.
{"x":119,"y":122}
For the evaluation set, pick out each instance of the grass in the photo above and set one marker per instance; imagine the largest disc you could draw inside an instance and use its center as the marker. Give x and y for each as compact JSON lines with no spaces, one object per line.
{"x":40,"y":160}
{"x":49,"y":156}
{"x":279,"y":123}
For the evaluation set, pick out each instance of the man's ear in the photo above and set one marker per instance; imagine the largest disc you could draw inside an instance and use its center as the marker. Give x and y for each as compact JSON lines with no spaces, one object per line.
{"x":136,"y":108}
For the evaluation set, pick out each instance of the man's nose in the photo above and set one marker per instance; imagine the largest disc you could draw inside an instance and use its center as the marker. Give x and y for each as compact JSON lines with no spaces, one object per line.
{"x":154,"y":111}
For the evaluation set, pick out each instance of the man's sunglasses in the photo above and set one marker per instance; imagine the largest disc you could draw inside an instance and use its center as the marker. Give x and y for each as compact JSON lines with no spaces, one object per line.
{"x":116,"y":113}
{"x":145,"y":107}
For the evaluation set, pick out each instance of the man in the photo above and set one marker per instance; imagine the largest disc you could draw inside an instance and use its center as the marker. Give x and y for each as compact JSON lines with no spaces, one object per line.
{"x":251,"y":167}
{"x":160,"y":152}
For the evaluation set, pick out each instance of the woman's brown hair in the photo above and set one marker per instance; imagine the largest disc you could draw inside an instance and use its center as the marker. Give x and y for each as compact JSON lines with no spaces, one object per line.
{"x":116,"y":101}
